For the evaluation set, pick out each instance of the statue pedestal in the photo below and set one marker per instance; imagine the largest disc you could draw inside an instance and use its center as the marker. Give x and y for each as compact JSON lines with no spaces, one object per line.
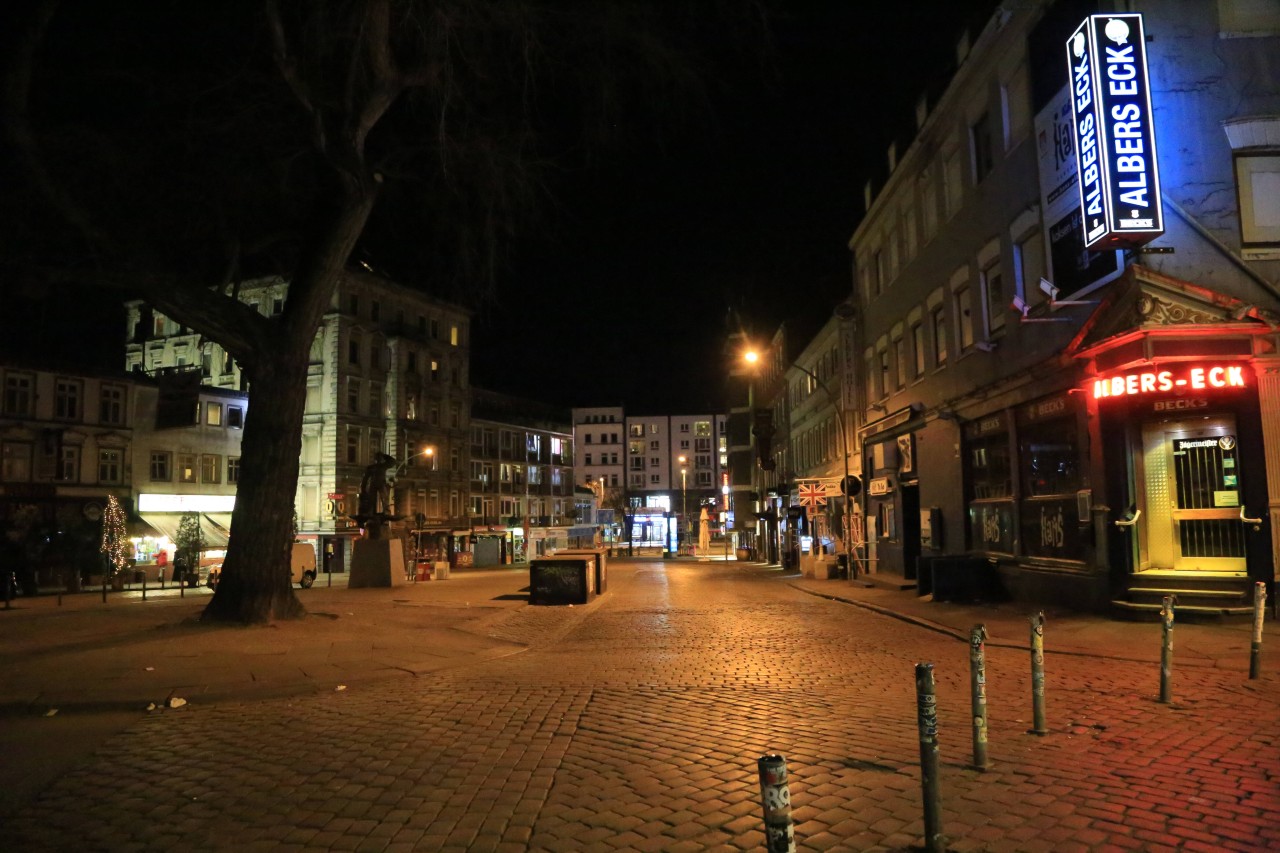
{"x":376,"y":563}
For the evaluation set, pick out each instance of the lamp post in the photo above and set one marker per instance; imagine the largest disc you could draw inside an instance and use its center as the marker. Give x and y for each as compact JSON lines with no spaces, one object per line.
{"x":751,"y":357}
{"x":684,"y":499}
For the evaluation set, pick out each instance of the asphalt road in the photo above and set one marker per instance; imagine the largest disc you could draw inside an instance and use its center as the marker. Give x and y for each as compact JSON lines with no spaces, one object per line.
{"x":634,"y":723}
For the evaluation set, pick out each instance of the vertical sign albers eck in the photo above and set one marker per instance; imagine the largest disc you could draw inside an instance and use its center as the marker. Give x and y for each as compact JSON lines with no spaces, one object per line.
{"x":1119,"y":178}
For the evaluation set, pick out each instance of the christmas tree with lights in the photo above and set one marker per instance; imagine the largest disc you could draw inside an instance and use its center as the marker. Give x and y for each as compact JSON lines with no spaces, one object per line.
{"x":115,"y":539}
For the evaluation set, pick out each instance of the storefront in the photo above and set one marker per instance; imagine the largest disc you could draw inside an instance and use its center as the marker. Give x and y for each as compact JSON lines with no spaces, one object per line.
{"x":1153,"y":473}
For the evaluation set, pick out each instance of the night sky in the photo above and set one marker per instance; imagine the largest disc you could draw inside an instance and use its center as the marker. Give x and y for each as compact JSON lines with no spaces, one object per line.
{"x":629,"y":302}
{"x":624,"y":293}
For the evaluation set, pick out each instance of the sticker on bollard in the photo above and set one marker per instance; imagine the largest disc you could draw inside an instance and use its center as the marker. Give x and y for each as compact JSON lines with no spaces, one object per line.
{"x":775,"y":796}
{"x":927,"y":720}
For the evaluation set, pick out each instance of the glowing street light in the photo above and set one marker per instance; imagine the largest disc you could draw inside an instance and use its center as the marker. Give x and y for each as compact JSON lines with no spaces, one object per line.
{"x":684,"y":495}
{"x":751,"y":357}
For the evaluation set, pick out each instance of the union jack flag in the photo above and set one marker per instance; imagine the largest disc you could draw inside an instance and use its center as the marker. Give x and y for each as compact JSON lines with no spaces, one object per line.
{"x":813,"y":494}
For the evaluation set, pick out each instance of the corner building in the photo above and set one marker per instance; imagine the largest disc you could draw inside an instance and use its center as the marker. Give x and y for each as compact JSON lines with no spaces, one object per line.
{"x":1093,"y":426}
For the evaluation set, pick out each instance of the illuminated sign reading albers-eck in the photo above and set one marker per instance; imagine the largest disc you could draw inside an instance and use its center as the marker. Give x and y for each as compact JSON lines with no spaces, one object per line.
{"x":1171,"y":379}
{"x":1115,"y":139}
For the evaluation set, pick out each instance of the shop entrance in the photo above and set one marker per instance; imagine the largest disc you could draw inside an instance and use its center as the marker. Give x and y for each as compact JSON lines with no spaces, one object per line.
{"x":1192,"y":500}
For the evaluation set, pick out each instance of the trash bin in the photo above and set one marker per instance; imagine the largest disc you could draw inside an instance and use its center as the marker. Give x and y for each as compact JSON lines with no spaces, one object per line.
{"x":600,"y":568}
{"x":561,"y":579}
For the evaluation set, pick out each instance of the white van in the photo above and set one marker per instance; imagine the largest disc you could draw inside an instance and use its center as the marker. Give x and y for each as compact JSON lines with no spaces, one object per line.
{"x":302,"y":564}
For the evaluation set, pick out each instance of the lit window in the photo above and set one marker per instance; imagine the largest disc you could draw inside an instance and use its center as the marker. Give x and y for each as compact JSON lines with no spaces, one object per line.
{"x":213,"y":414}
{"x":963,"y":299}
{"x":69,"y":464}
{"x":186,"y":467}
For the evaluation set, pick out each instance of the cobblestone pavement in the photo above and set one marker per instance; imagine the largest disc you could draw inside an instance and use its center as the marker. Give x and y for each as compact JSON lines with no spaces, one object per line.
{"x":634,"y":723}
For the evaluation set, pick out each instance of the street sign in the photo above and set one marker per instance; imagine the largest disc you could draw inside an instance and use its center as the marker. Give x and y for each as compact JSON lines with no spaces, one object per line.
{"x":812,"y":494}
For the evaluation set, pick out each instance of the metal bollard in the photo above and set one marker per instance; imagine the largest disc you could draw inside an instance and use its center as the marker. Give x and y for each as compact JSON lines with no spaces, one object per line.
{"x":775,"y":796}
{"x":978,"y":692}
{"x":1038,"y":726}
{"x":1255,"y":648}
{"x":7,"y":578}
{"x":144,"y":586}
{"x":927,"y":720}
{"x":1166,"y":649}
{"x":104,"y":589}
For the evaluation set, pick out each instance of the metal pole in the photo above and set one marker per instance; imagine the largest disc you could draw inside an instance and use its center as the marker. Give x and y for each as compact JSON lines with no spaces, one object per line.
{"x":1166,"y":649}
{"x":1255,"y":648}
{"x":978,"y":693}
{"x":775,"y":796}
{"x":927,"y":720}
{"x":144,"y":584}
{"x":1038,"y":726}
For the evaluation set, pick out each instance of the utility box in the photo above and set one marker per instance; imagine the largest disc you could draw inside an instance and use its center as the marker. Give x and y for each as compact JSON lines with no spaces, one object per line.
{"x":601,"y":564}
{"x":562,"y":579}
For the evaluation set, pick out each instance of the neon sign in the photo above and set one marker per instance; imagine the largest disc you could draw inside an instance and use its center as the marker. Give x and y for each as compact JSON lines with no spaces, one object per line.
{"x":1119,"y":178}
{"x":1198,"y":378}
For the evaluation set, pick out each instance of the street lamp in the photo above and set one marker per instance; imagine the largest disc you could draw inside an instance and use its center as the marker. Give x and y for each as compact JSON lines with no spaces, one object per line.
{"x":751,"y":357}
{"x":684,"y":499}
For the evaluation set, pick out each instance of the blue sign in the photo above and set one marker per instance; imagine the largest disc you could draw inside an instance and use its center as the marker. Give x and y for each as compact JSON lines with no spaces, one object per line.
{"x":1118,"y":176}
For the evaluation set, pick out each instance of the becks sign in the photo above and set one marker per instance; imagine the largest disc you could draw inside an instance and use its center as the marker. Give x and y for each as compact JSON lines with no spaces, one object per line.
{"x":1115,"y":140}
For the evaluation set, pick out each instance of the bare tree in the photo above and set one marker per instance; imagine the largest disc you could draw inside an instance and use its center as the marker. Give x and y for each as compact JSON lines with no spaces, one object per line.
{"x":170,"y":150}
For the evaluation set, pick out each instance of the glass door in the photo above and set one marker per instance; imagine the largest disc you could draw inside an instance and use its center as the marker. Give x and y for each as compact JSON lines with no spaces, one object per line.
{"x":1193,"y":496}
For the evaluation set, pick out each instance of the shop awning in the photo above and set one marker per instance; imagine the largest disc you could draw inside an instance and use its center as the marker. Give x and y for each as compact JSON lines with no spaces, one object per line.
{"x":215,"y":527}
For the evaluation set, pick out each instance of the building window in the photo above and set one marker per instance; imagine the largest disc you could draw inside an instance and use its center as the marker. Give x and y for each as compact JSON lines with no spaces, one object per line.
{"x":938,"y":320}
{"x":111,"y":410}
{"x":655,"y":479}
{"x":1028,"y":258}
{"x":186,"y":468}
{"x":900,"y":356}
{"x":435,"y":329}
{"x":917,"y":348}
{"x":66,"y":399}
{"x":69,"y":464}
{"x":962,"y":297}
{"x":160,"y":466}
{"x":637,"y":430}
{"x":213,"y":414}
{"x":435,"y":370}
{"x":411,"y":362}
{"x":110,"y":465}
{"x":233,"y":469}
{"x":353,"y":350}
{"x":353,"y":396}
{"x":17,"y":394}
{"x":353,"y":446}
{"x":353,"y":305}
{"x":993,"y":286}
{"x":235,"y":417}
{"x":983,"y":155}
{"x":882,"y":358}
{"x":210,"y":468}
{"x":277,"y":306}
{"x":952,"y":183}
{"x":878,"y":272}
{"x":586,"y":459}
{"x":1258,"y":183}
{"x":375,"y":310}
{"x":15,"y":462}
{"x":928,"y":206}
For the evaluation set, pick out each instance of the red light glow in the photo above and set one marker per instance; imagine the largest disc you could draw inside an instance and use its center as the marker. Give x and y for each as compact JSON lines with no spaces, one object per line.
{"x":1197,"y":378}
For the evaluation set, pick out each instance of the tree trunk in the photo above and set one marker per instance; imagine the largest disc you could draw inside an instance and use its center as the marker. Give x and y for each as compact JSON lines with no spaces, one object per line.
{"x":255,"y":584}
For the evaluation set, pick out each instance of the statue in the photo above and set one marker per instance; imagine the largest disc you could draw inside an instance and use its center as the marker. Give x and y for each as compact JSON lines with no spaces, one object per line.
{"x":374,"y":504}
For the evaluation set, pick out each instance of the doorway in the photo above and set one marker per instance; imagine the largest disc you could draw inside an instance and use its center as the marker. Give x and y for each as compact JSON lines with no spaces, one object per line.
{"x":1191,"y":500}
